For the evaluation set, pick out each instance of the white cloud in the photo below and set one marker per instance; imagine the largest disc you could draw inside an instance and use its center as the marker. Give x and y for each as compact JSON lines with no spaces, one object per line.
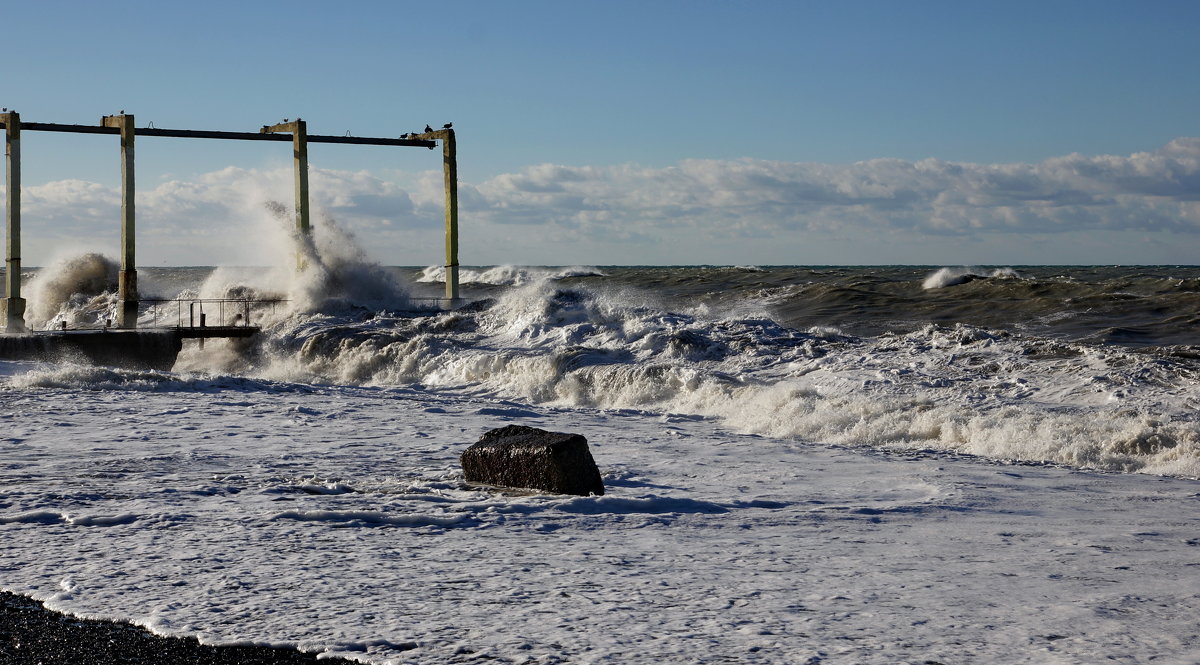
{"x":1144,"y":191}
{"x":694,"y":211}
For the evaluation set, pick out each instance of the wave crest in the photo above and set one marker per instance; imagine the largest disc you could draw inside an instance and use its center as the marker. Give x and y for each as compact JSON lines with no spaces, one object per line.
{"x":945,"y":277}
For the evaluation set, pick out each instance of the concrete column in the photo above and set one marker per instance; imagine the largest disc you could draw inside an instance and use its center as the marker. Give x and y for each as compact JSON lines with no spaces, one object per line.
{"x":299,"y":131}
{"x":300,"y":159}
{"x":127,"y":291}
{"x":12,"y":307}
{"x":450,"y":176}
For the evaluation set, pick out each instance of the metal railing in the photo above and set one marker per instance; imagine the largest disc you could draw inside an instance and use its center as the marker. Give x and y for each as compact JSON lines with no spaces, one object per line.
{"x":230,"y":312}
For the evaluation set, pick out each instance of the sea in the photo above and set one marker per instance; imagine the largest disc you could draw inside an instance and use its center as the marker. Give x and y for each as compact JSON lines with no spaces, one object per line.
{"x":805,"y":464}
{"x":993,"y":361}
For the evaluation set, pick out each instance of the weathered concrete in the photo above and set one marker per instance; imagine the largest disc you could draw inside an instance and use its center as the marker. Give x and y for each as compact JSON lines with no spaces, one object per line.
{"x":300,"y":168}
{"x":527,"y":457}
{"x":127,"y":291}
{"x":138,"y":349}
{"x":299,"y":131}
{"x":450,"y":178}
{"x":12,"y":307}
{"x":450,"y":181}
{"x":213,"y":134}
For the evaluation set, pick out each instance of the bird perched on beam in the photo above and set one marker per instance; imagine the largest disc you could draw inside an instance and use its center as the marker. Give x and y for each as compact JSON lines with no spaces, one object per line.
{"x":447,"y":125}
{"x":428,"y":129}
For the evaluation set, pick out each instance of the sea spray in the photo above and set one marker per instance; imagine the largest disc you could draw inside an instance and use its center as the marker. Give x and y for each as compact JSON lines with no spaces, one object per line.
{"x":78,"y":290}
{"x":321,"y":274}
{"x":324,"y":270}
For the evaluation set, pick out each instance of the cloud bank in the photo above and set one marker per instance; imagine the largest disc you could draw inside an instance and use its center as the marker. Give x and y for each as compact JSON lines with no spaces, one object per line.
{"x":697,"y":211}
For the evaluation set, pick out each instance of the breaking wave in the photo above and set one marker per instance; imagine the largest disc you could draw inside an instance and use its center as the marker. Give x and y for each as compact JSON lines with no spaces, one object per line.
{"x":945,"y":277}
{"x":508,"y":275}
{"x":961,"y":389}
{"x":78,"y":290}
{"x":994,"y":391}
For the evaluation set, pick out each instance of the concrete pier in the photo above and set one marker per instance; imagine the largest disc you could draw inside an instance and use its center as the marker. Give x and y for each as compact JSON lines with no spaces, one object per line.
{"x":12,"y":307}
{"x":136,"y":349}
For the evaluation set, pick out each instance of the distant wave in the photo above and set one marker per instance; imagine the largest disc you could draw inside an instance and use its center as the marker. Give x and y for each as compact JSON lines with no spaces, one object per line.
{"x":509,"y":275}
{"x":954,"y":276}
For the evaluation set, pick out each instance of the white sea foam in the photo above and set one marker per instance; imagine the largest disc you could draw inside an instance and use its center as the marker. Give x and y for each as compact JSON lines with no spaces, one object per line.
{"x":193,"y":515}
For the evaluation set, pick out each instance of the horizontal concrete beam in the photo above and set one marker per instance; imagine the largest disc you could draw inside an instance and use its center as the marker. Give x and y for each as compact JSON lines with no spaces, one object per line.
{"x":206,"y":134}
{"x":289,"y":127}
{"x":426,"y":136}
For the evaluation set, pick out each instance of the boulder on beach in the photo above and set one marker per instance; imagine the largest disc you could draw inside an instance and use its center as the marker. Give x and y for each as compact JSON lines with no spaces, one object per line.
{"x":532,"y":458}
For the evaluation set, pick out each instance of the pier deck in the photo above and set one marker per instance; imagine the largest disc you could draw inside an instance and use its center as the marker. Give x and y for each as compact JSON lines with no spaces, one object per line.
{"x":143,"y":348}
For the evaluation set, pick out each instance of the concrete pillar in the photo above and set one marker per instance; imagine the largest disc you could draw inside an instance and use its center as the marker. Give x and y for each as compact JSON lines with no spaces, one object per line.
{"x":450,"y":175}
{"x":300,"y":165}
{"x":12,"y":307}
{"x":299,"y":131}
{"x":127,"y":291}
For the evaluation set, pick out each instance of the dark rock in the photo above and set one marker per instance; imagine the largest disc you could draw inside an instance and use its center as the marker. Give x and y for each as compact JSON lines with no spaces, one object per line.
{"x":528,"y":457}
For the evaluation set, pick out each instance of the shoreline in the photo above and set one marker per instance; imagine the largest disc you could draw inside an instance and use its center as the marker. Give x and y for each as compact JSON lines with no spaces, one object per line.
{"x":31,"y":634}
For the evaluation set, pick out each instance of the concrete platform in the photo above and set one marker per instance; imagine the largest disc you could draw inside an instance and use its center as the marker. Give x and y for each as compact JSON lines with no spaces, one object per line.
{"x":135,"y":349}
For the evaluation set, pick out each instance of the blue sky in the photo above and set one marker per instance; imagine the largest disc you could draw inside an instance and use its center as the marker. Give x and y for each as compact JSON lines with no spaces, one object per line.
{"x":623,"y":132}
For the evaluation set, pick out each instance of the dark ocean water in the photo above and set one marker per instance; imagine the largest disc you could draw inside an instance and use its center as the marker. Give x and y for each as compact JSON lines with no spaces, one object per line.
{"x":1134,"y":306}
{"x":1131,"y":306}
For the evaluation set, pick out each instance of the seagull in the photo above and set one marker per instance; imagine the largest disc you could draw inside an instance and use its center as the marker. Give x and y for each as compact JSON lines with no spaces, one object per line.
{"x":447,"y":125}
{"x":428,"y":128}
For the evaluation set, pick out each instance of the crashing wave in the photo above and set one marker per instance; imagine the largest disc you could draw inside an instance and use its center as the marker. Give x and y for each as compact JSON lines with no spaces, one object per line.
{"x":945,"y":277}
